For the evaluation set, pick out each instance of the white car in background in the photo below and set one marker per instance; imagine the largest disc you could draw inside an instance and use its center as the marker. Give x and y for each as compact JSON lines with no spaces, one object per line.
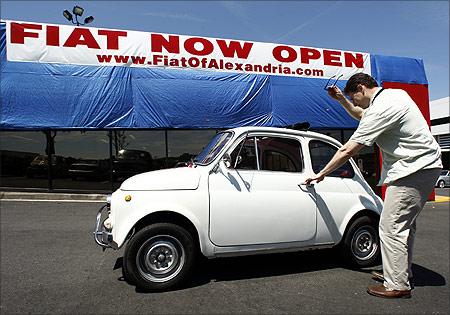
{"x":244,"y":194}
{"x":444,"y":179}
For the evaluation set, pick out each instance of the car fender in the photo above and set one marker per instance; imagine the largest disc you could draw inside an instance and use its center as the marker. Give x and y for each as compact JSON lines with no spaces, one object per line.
{"x":128,"y":219}
{"x":354,"y":211}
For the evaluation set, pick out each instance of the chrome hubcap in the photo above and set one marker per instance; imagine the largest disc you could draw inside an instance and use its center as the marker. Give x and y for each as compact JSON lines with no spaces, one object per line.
{"x":364,"y":243}
{"x":160,"y":258}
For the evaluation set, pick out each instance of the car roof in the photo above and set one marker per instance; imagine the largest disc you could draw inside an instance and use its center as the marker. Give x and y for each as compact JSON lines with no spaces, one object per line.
{"x":305,"y":134}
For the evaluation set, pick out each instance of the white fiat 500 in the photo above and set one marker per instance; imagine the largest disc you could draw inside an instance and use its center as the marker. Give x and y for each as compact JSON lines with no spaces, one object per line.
{"x":244,"y":194}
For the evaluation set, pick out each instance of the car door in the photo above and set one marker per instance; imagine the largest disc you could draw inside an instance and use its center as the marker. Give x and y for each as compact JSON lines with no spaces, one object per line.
{"x":334,"y":195}
{"x":260,"y":200}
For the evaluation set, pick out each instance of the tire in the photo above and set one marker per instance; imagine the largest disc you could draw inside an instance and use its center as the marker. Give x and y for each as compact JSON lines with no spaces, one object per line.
{"x":361,"y":244}
{"x":441,"y":184}
{"x":159,"y":257}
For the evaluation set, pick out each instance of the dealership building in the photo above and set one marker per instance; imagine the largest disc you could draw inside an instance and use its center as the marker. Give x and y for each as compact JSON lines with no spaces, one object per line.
{"x":103,"y":104}
{"x":440,"y":127}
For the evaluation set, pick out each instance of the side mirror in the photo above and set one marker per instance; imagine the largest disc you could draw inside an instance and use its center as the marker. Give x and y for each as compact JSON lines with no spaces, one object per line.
{"x":226,"y":159}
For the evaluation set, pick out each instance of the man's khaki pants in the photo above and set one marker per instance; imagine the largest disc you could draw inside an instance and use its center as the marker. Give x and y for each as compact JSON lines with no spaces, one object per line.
{"x":404,"y":200}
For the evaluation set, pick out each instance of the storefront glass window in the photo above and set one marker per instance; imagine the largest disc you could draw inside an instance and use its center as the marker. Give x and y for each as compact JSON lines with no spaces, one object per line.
{"x":82,"y":160}
{"x":23,"y":160}
{"x":347,"y":134}
{"x":137,"y":151}
{"x":334,"y":133}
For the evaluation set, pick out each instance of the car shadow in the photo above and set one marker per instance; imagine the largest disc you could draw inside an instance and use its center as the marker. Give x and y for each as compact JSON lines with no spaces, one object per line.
{"x":255,"y":266}
{"x":272,"y":265}
{"x":267,"y":265}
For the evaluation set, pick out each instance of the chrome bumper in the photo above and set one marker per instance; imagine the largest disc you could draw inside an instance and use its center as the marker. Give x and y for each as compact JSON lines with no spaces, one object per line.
{"x":101,"y":235}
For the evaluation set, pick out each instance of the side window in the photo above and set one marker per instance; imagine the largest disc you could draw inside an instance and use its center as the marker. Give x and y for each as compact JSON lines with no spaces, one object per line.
{"x":279,"y":154}
{"x":321,"y":153}
{"x":243,"y":156}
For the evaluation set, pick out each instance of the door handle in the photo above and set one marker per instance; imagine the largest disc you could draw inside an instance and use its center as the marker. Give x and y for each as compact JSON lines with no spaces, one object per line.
{"x":305,"y":185}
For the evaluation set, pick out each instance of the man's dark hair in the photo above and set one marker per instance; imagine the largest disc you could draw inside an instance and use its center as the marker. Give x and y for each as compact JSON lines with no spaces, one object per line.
{"x":359,"y":78}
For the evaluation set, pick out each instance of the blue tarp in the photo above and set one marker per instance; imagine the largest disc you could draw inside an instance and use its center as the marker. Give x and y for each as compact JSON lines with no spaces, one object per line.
{"x":40,"y":96}
{"x":398,"y":69}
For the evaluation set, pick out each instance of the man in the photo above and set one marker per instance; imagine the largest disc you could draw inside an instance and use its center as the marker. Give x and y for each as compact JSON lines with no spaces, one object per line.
{"x":411,"y":165}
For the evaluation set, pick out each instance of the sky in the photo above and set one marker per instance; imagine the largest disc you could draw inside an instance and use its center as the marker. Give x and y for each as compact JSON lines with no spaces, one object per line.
{"x":417,"y":29}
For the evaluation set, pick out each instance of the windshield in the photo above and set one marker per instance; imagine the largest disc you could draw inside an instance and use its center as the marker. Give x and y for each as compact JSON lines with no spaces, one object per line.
{"x":444,"y":172}
{"x":213,"y":148}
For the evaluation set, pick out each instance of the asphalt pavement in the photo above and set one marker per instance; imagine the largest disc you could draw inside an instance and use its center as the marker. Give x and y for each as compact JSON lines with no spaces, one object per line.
{"x":50,"y":264}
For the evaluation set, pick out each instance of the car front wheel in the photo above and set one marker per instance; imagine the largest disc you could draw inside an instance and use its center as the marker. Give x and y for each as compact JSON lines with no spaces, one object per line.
{"x":361,"y":246}
{"x":159,"y":257}
{"x":441,"y":184}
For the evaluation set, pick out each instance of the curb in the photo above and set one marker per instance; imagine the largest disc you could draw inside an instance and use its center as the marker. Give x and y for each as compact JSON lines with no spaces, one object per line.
{"x":441,"y":199}
{"x":4,"y":195}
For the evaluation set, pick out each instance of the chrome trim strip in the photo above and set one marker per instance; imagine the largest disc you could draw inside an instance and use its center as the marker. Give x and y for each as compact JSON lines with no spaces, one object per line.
{"x":108,"y":199}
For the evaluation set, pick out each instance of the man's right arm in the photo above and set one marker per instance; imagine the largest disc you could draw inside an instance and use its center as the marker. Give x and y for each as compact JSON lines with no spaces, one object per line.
{"x":354,"y":111}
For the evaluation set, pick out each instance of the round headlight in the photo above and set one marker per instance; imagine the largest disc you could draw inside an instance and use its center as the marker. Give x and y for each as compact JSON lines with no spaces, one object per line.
{"x":108,"y":224}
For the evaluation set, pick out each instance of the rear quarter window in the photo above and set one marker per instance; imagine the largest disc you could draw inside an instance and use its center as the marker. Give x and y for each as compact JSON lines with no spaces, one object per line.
{"x":321,"y":153}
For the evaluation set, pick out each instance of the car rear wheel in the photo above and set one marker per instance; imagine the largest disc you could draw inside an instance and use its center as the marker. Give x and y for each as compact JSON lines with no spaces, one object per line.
{"x":441,"y":184}
{"x":159,"y":257}
{"x":361,"y":245}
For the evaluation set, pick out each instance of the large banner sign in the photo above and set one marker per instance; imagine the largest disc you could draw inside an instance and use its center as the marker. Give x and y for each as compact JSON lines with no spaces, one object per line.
{"x":64,"y":44}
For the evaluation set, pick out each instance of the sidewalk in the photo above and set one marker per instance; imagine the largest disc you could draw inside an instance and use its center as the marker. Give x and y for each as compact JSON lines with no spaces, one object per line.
{"x":40,"y":196}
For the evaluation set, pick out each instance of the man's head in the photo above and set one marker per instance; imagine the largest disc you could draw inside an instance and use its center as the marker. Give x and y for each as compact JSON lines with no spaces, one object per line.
{"x":360,"y":88}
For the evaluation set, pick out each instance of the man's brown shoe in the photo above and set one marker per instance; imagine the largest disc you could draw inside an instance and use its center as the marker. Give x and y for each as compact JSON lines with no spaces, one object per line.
{"x":381,"y":291}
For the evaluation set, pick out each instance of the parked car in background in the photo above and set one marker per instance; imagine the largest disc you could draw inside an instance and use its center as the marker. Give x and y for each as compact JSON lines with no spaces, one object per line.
{"x":244,"y":194}
{"x":89,"y":169}
{"x":444,"y":179}
{"x":131,"y":162}
{"x":15,"y":163}
{"x":39,"y":167}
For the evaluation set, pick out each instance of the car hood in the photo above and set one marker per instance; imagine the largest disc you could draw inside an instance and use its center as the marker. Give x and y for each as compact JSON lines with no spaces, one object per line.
{"x":182,"y":178}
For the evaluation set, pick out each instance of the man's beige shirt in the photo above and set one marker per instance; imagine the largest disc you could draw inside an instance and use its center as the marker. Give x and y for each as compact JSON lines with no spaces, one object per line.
{"x":398,"y":127}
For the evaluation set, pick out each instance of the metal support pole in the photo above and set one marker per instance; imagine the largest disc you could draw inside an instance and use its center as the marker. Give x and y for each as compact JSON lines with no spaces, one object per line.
{"x":116,"y":144}
{"x":49,"y":152}
{"x":167,"y":148}
{"x":111,"y":177}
